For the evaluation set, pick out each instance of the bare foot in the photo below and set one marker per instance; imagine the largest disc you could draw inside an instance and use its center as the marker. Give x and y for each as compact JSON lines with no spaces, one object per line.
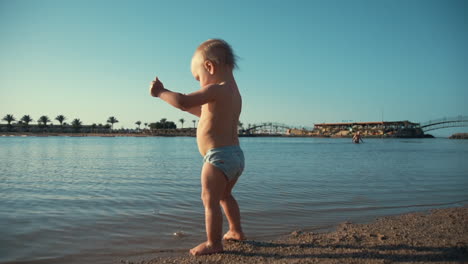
{"x":230,"y":235}
{"x":205,"y":249}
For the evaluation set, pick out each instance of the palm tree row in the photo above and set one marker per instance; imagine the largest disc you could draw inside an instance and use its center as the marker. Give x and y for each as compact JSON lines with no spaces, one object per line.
{"x":26,"y":119}
{"x":44,"y":120}
{"x":182,"y":121}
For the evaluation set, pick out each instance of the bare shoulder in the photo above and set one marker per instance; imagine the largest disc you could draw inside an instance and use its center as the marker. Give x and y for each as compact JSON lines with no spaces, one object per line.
{"x":218,"y":90}
{"x":213,"y":88}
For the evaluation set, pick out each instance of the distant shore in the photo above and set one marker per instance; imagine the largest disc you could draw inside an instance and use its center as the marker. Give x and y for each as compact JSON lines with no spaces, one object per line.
{"x":162,"y":133}
{"x":437,"y":236}
{"x":186,"y":132}
{"x":459,"y":136}
{"x":156,"y":133}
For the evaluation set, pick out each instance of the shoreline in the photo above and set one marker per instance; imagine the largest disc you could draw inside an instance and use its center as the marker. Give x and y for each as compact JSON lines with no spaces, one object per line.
{"x":169,"y":133}
{"x":436,"y":236}
{"x":459,"y":136}
{"x":29,"y":134}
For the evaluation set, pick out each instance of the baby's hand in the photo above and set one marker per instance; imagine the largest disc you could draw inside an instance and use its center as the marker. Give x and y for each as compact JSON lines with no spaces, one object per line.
{"x":156,"y":87}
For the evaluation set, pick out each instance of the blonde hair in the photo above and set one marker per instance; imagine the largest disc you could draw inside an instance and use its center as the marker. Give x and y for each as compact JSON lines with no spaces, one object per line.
{"x":219,"y":52}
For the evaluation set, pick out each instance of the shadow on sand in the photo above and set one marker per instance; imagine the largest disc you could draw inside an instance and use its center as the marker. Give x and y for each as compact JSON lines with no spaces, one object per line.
{"x":387,"y":253}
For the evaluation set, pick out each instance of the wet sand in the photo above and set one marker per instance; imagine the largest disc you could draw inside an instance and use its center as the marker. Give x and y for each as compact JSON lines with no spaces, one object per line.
{"x":437,"y":236}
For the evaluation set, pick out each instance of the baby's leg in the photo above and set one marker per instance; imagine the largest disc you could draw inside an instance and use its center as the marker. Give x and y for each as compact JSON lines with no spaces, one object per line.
{"x":232,"y":212}
{"x":213,"y":185}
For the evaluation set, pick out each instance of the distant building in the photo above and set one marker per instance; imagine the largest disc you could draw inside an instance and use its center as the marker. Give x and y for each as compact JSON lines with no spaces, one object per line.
{"x":388,"y":129}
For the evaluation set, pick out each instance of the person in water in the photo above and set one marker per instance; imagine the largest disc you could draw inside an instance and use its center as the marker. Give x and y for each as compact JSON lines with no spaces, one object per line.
{"x":218,"y":104}
{"x":357,"y":137}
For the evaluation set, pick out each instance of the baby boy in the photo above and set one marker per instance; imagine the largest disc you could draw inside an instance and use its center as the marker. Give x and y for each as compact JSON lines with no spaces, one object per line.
{"x":218,"y":105}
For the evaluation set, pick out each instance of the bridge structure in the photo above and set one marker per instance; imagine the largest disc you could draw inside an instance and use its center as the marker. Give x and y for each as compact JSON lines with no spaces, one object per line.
{"x":267,"y":128}
{"x":274,"y":128}
{"x":446,"y":122}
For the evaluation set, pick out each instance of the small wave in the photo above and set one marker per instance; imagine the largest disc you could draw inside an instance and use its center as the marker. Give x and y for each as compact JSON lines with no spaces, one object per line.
{"x":371,"y":208}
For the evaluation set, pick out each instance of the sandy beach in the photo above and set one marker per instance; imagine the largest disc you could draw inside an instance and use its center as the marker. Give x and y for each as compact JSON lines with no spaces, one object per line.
{"x":437,"y":236}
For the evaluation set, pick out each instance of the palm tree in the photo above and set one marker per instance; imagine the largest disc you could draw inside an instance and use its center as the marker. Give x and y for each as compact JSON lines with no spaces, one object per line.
{"x":93,"y":127}
{"x":241,"y":125}
{"x":194,"y":121}
{"x":26,"y":119}
{"x":182,"y":122}
{"x":162,"y":123}
{"x":44,"y":120}
{"x":138,"y":123}
{"x":76,"y":124}
{"x":9,"y":118}
{"x":60,"y":118}
{"x":112,"y":120}
{"x":146,"y":124}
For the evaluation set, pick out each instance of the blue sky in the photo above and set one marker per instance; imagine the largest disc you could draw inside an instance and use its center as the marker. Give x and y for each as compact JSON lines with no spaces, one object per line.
{"x":301,"y":62}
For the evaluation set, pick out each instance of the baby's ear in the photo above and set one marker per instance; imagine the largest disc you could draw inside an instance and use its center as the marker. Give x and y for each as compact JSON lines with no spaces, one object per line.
{"x":209,"y":66}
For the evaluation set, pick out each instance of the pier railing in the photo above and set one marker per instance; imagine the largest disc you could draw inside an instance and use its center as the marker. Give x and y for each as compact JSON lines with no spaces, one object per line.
{"x":457,"y":121}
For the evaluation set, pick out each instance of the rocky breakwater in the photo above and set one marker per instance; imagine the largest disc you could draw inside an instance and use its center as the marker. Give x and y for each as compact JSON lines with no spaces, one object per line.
{"x":459,"y":136}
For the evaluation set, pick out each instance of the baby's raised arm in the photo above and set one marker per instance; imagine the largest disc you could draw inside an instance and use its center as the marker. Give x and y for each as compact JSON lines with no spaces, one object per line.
{"x":191,"y":103}
{"x":196,"y":110}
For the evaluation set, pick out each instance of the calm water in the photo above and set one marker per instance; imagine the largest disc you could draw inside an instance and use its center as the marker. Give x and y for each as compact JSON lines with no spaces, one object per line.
{"x":65,"y":200}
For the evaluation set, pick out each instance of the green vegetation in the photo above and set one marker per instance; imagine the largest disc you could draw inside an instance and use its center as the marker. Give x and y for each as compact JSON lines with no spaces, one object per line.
{"x":44,"y":120}
{"x":26,"y":119}
{"x":45,"y":125}
{"x":60,"y":118}
{"x":76,"y":124}
{"x":182,"y":122}
{"x":112,"y":120}
{"x":9,"y":118}
{"x":163,"y":124}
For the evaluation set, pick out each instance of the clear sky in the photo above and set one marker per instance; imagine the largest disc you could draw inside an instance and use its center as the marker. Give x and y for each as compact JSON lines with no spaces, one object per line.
{"x":301,"y":62}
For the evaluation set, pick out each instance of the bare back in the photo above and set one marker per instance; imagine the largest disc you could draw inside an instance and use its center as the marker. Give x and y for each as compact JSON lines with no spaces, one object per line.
{"x":219,"y":119}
